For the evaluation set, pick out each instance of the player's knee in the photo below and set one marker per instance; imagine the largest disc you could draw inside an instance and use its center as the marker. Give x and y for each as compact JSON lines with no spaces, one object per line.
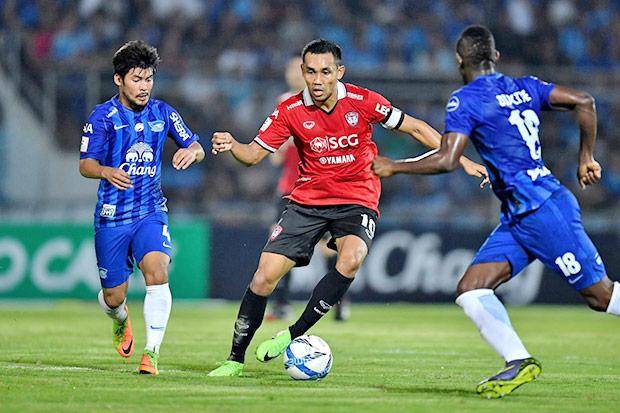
{"x":600,"y":302}
{"x":113,"y":298}
{"x":156,"y":276}
{"x":348,"y":265}
{"x":262,"y":283}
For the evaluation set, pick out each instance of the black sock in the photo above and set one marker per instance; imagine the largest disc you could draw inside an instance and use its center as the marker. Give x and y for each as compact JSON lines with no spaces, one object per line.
{"x":249,"y":318}
{"x":280,"y":294}
{"x":327,"y":292}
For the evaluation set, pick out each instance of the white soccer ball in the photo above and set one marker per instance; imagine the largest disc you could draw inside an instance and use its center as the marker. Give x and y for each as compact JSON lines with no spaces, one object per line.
{"x":308,"y":358}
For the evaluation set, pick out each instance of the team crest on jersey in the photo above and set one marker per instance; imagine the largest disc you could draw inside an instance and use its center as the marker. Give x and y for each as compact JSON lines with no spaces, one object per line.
{"x":157,"y":125}
{"x":352,"y":118}
{"x":277,"y":230}
{"x":308,"y":124}
{"x":319,"y":144}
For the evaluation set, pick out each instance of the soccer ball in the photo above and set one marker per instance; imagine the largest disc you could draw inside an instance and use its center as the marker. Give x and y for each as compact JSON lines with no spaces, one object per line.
{"x":308,"y":358}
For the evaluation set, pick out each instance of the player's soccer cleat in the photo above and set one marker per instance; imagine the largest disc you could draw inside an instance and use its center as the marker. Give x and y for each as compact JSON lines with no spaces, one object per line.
{"x":229,"y":368}
{"x":149,"y":362}
{"x":272,"y":348}
{"x":123,"y":338}
{"x":516,"y":373}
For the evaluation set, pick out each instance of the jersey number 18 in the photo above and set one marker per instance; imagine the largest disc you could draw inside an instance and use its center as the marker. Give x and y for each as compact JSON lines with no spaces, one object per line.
{"x":527,"y":122}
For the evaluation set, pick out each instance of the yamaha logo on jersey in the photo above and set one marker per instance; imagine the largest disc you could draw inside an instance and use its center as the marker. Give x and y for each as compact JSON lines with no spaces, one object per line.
{"x":352,"y":118}
{"x":138,"y":154}
{"x":308,"y":124}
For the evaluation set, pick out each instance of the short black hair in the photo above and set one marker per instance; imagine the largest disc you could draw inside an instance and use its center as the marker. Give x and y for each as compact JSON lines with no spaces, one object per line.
{"x":135,"y":53}
{"x":320,"y":46}
{"x":476,"y":46}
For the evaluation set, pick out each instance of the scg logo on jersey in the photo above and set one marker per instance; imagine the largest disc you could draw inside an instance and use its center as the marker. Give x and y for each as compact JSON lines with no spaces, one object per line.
{"x":322,"y":144}
{"x":139,"y":153}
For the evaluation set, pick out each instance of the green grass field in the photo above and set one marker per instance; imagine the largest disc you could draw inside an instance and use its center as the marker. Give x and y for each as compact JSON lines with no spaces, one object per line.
{"x":387,"y":358}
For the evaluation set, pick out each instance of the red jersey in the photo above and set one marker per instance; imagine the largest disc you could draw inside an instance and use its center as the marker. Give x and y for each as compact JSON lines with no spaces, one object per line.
{"x":290,"y":161}
{"x":336,"y":148}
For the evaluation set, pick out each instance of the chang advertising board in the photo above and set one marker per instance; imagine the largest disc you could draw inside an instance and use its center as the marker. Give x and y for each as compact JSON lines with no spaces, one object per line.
{"x":58,"y":261}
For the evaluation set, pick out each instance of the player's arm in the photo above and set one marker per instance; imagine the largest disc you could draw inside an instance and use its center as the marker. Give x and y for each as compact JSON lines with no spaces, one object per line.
{"x":91,"y":168}
{"x":184,"y":157}
{"x":248,"y":154}
{"x":429,"y":137}
{"x":583,"y":104}
{"x":437,"y":161}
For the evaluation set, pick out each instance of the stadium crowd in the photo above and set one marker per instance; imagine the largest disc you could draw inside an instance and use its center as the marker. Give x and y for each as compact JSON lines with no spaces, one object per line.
{"x":222,"y":64}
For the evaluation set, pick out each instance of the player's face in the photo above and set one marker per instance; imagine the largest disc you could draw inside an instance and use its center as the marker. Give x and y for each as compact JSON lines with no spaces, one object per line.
{"x":135,"y":87}
{"x":321,"y":74}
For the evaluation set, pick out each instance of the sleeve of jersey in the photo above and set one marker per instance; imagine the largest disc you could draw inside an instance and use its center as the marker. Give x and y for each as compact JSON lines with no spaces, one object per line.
{"x":179,"y":131}
{"x":94,"y":137}
{"x":458,"y":118}
{"x":381,"y":111}
{"x":544,"y":90}
{"x":274,"y":132}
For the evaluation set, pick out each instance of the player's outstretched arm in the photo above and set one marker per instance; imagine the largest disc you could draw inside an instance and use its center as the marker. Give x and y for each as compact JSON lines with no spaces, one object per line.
{"x":444,"y":159}
{"x":429,"y":137}
{"x":248,"y":154}
{"x":184,"y":157}
{"x":91,"y":168}
{"x":584,"y":106}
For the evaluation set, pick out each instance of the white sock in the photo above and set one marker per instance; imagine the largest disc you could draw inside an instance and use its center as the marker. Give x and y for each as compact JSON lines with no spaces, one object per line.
{"x":119,"y":313}
{"x":488,"y":314}
{"x":614,"y":302}
{"x":157,"y":305}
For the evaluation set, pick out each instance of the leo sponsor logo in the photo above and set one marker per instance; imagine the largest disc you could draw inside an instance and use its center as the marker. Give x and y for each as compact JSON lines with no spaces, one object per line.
{"x":277,"y":230}
{"x":136,"y":156}
{"x":178,"y":126}
{"x":107,"y":211}
{"x":337,"y":160}
{"x":308,"y":124}
{"x":352,"y":118}
{"x":382,"y":109}
{"x":322,"y":144}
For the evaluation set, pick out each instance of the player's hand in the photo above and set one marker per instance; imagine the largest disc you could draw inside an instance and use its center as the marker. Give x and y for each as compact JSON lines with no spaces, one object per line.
{"x":383,"y":167}
{"x":117,"y":177}
{"x":222,"y":142}
{"x":477,"y":170}
{"x":588,"y":173}
{"x":183,"y":158}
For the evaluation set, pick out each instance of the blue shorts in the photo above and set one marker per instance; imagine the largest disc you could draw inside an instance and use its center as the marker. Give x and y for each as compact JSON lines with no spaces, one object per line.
{"x":553,"y":234}
{"x":118,"y":248}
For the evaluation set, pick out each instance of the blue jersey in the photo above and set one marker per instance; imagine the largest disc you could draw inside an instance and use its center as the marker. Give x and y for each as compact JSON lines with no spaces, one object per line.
{"x":501,"y":117}
{"x":120,"y":138}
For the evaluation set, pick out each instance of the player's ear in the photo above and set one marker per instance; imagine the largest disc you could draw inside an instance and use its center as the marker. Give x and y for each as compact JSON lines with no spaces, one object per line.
{"x":459,"y":60}
{"x":117,"y":79}
{"x":496,"y":56}
{"x":341,"y":70}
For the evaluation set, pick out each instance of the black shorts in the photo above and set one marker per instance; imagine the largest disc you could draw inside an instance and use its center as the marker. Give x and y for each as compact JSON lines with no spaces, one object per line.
{"x":301,"y":227}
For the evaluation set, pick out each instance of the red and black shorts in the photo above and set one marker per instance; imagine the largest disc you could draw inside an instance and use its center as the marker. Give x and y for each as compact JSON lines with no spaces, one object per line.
{"x":301,"y":227}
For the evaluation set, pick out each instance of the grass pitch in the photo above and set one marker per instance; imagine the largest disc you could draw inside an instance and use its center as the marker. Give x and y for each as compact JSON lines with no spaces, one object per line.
{"x":388,"y":358}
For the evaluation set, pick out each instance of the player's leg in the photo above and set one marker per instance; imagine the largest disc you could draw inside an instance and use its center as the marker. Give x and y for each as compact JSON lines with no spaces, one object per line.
{"x":151,"y":247}
{"x":603,"y":296}
{"x":281,"y":308}
{"x":115,"y":267}
{"x":498,"y":259}
{"x":349,"y":226}
{"x":291,"y":243}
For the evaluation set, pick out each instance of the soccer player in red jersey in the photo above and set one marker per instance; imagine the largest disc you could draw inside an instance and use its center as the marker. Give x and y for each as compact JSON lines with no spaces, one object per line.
{"x":337,"y":191}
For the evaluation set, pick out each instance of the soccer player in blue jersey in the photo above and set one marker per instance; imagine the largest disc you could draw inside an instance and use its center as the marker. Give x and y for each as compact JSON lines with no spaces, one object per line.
{"x":540,"y":218}
{"x":122,"y":145}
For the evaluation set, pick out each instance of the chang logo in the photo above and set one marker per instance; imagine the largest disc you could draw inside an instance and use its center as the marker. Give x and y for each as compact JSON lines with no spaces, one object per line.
{"x":139,"y":153}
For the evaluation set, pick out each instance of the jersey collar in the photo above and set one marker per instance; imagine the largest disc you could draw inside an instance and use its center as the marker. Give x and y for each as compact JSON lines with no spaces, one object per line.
{"x":342,"y":93}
